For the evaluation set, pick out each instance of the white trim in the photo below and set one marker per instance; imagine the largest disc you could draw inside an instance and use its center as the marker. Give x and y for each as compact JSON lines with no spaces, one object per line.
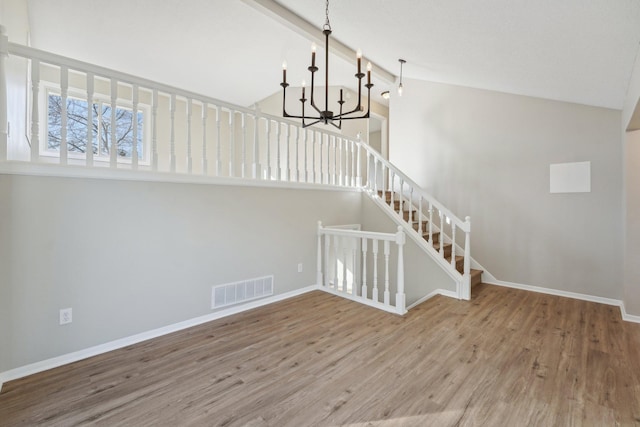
{"x":443,"y":292}
{"x":17,"y":167}
{"x":585,"y":297}
{"x":628,"y":317}
{"x":557,"y":292}
{"x":75,"y":356}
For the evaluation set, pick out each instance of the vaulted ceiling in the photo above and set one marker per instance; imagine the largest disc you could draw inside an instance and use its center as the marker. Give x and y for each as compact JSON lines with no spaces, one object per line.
{"x":570,"y":50}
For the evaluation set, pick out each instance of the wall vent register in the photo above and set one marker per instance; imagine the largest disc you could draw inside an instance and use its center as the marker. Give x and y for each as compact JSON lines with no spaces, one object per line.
{"x":237,"y":292}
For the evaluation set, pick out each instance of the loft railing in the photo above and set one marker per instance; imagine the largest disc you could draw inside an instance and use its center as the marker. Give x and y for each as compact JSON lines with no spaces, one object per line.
{"x":180,"y":132}
{"x":359,"y":265}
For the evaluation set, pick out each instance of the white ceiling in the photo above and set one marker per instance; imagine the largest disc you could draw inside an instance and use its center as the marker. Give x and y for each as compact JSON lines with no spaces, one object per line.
{"x":571,"y":50}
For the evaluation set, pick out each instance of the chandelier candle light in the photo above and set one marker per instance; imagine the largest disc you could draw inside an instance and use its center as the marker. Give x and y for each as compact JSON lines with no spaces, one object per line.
{"x":326,"y":116}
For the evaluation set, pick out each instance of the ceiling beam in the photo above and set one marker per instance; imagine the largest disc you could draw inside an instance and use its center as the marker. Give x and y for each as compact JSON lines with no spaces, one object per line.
{"x":303,"y":27}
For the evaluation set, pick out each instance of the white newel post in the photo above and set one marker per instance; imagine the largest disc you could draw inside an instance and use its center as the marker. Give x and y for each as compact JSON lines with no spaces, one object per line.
{"x":319,"y":279}
{"x":400,"y":296}
{"x":364,"y":268}
{"x":4,"y":126}
{"x":466,"y":278}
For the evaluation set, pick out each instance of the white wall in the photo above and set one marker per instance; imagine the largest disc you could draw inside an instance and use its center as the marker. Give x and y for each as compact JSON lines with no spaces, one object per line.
{"x":129,"y":257}
{"x":487,"y":155}
{"x":632,"y":224}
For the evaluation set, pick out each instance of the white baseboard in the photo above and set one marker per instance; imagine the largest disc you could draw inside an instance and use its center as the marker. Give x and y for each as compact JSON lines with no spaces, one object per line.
{"x":575,"y":295}
{"x":628,"y":317}
{"x":75,"y":356}
{"x":443,"y":292}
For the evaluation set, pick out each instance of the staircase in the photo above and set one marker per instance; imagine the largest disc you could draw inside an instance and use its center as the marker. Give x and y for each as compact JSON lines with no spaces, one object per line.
{"x":421,"y":227}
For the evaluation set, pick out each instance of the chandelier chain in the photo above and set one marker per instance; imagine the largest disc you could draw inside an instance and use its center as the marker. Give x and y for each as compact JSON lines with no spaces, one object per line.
{"x":327,"y":25}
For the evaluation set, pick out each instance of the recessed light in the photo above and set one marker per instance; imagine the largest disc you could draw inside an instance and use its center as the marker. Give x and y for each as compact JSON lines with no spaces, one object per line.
{"x":385,"y":94}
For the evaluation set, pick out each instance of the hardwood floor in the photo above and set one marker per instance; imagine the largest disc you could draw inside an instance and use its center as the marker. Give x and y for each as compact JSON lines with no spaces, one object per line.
{"x":507,"y":358}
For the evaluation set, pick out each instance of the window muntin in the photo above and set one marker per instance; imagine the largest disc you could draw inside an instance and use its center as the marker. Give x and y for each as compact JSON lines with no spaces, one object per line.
{"x":77,"y":114}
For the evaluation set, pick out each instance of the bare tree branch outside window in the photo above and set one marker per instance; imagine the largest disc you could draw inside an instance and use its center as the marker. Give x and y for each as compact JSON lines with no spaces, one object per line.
{"x":77,"y":116}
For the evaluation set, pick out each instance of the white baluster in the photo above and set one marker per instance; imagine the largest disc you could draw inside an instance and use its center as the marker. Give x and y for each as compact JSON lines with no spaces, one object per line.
{"x":319,"y":279}
{"x":430,"y":223}
{"x":89,"y":147}
{"x":243,"y":118}
{"x":134,"y":126}
{"x":354,"y":269}
{"x":411,"y":216}
{"x":35,"y":114}
{"x":358,"y":174}
{"x":232,"y":143}
{"x":218,"y":142}
{"x":466,"y":288}
{"x":453,"y":245}
{"x":269,"y":152}
{"x":278,"y":165}
{"x":113,"y":147}
{"x":335,"y":161}
{"x":364,"y":268}
{"x":386,"y":272}
{"x":368,"y":186}
{"x":441,"y":251}
{"x":189,"y":159}
{"x":401,"y":197}
{"x":64,"y":87}
{"x":172,"y":140}
{"x":306,"y":159}
{"x":354,"y":181}
{"x":154,"y":131}
{"x":400,"y":296}
{"x":375,"y":174}
{"x":345,"y":257}
{"x":205,"y":161}
{"x":288,"y":150}
{"x":327,"y":261}
{"x":4,"y":124}
{"x":374,"y":291}
{"x":393,"y":191}
{"x":335,"y":263}
{"x":339,"y":161}
{"x":296,"y":164}
{"x":256,"y":145}
{"x":320,"y":153}
{"x":313,"y":156}
{"x":420,"y":216}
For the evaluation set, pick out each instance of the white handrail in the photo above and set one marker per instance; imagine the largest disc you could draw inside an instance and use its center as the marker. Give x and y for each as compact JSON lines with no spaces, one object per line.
{"x":342,"y":266}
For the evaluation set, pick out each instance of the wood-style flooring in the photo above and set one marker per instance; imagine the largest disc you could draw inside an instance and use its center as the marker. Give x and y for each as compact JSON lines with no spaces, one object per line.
{"x":506,"y":358}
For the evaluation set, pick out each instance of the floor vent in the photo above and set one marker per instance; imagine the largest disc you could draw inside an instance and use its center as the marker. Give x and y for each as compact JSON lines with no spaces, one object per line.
{"x":237,"y":292}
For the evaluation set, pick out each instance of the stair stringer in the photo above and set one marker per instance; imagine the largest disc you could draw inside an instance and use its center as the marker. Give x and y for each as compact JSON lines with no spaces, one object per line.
{"x":421,"y":242}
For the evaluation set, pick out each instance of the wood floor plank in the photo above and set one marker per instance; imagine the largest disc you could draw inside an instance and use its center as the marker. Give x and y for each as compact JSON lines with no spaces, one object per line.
{"x":507,"y":357}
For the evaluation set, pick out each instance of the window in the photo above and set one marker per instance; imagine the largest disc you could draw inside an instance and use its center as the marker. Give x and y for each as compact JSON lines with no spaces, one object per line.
{"x":101,"y":144}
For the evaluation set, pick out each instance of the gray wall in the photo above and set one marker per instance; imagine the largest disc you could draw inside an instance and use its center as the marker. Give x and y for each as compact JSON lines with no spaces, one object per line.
{"x":129,"y":257}
{"x":632,"y":225}
{"x":487,"y":155}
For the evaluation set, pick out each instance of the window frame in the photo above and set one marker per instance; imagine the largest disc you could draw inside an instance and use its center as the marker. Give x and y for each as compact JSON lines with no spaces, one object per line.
{"x":48,"y":88}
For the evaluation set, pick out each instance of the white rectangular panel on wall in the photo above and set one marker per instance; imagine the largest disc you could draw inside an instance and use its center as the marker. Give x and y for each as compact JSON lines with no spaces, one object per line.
{"x":570,"y":177}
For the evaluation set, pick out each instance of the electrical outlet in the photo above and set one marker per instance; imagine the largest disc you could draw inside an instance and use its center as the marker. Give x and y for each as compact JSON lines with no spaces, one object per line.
{"x":300,"y":268}
{"x":66,"y":316}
